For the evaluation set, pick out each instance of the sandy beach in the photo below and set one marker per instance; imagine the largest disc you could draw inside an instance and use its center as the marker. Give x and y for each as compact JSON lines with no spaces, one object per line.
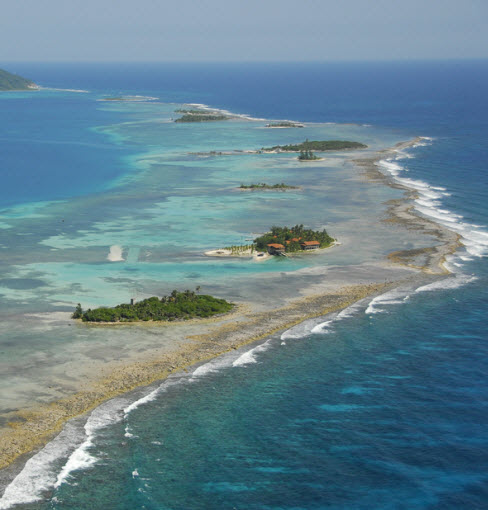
{"x":248,"y":253}
{"x":189,"y":344}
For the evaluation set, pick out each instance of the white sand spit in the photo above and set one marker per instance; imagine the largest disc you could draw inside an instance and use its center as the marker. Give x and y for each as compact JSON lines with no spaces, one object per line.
{"x":115,"y":254}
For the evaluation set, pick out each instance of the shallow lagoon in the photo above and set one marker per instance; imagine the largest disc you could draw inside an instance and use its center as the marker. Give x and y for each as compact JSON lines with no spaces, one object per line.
{"x":164,"y":206}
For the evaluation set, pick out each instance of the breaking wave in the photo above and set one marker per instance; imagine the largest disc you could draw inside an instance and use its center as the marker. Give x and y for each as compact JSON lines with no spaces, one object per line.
{"x":429,"y":203}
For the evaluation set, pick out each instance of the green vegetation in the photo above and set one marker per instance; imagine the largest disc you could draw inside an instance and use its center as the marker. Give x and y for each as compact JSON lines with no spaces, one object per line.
{"x":200,"y":116}
{"x":325,"y":145}
{"x":178,"y":305}
{"x":307,"y":156}
{"x":240,"y":249}
{"x":9,"y":81}
{"x":284,"y":124}
{"x":78,"y":313}
{"x":291,"y":238}
{"x":263,"y":185}
{"x":196,"y":112}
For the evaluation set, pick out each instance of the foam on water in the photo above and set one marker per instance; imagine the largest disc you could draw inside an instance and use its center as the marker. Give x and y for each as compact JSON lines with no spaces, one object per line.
{"x":314,"y":326}
{"x":128,"y":433}
{"x":429,"y":204}
{"x":392,"y":297}
{"x":144,"y":400}
{"x":423,"y":142}
{"x":169,"y":382}
{"x":211,"y":367}
{"x":324,"y":327}
{"x":452,"y":282}
{"x":103,"y":416}
{"x":41,"y":472}
{"x":250,"y":356}
{"x":299,"y":331}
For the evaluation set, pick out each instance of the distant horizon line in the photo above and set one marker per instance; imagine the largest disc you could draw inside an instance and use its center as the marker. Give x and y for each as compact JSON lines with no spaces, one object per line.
{"x":243,"y":62}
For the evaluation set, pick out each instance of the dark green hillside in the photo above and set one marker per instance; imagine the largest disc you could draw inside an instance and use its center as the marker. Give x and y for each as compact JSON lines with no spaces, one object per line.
{"x":9,"y":81}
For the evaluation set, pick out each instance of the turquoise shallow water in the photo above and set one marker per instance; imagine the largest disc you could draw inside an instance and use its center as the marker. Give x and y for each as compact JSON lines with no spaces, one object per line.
{"x":170,"y":204}
{"x":166,"y":205}
{"x":384,"y":407}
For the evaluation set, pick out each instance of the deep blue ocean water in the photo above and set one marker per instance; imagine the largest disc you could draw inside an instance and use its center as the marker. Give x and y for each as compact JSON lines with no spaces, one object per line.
{"x":384,"y":410}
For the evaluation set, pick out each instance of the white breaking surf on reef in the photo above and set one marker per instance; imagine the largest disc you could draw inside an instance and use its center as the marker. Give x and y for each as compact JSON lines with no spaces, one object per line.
{"x":43,"y":471}
{"x":429,"y":204}
{"x":392,"y":297}
{"x":250,"y":356}
{"x":447,"y":283}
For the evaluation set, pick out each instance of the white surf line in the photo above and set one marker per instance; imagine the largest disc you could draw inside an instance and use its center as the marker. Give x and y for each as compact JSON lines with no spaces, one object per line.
{"x":324,"y":327}
{"x":42,"y":471}
{"x":78,"y":91}
{"x":39,"y":472}
{"x":249,"y":357}
{"x":205,"y":107}
{"x":448,"y":283}
{"x":104,"y":415}
{"x":318,"y":325}
{"x":392,"y":297}
{"x":128,"y":99}
{"x":429,"y":204}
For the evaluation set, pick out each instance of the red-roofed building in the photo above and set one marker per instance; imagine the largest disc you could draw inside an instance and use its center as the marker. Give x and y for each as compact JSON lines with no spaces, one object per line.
{"x":310,"y":245}
{"x":275,"y":249}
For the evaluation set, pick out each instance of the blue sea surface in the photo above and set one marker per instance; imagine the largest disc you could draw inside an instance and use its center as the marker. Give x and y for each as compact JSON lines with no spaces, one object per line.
{"x":384,"y":406}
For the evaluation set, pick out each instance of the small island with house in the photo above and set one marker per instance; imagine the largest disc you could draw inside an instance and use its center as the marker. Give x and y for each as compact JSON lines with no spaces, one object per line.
{"x":279,"y":241}
{"x":177,"y":306}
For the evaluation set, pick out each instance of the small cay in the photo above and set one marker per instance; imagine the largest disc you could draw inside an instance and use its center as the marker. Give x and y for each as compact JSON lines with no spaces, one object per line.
{"x":317,"y":145}
{"x":177,"y":306}
{"x":200,"y":116}
{"x":263,"y":186}
{"x":284,"y":124}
